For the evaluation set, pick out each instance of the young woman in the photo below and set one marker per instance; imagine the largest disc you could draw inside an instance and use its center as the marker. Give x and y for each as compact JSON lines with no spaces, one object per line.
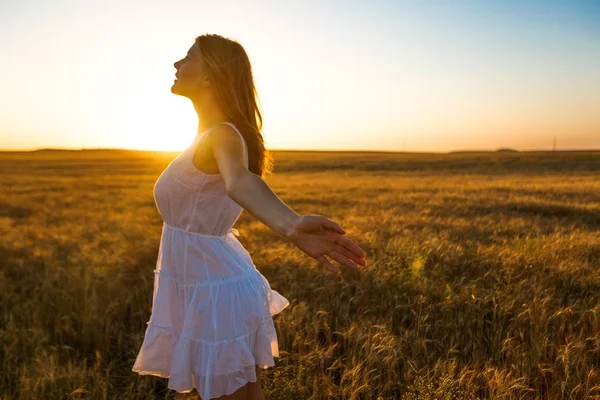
{"x":211,"y":326}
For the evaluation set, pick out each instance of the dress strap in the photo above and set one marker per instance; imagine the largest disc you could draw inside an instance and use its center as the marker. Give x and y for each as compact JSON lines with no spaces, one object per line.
{"x":243,"y":140}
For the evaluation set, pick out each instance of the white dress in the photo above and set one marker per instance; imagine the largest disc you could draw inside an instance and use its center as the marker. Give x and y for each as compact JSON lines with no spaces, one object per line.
{"x":211,"y":320}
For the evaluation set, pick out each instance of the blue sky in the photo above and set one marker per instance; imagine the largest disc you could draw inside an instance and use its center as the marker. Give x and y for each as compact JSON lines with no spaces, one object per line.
{"x":373,"y":75}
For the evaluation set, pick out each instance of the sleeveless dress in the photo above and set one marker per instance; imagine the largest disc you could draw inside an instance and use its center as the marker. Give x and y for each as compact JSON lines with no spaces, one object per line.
{"x":211,"y":319}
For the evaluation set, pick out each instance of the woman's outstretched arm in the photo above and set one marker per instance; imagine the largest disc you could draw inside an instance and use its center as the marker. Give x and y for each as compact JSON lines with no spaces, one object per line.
{"x":315,"y":235}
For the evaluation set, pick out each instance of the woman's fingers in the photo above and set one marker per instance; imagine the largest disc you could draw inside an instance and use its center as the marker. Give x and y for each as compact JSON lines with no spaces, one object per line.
{"x":350,"y":255}
{"x":347,"y":243}
{"x":342,"y":259}
{"x":350,"y":247}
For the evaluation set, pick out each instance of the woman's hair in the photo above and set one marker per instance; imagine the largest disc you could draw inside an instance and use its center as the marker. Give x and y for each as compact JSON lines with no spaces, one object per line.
{"x":228,"y":68}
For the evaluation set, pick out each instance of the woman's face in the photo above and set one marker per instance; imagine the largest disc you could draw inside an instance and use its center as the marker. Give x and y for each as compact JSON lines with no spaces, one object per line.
{"x":189,"y":74}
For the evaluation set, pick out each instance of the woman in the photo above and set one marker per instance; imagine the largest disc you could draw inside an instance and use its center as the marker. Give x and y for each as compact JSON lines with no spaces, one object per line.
{"x":211,"y":326}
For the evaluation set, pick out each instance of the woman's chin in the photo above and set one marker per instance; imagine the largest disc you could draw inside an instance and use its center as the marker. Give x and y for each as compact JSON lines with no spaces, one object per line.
{"x":175,"y":89}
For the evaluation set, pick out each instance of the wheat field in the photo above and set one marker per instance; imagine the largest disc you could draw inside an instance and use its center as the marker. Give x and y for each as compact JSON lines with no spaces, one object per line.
{"x":482,"y":279}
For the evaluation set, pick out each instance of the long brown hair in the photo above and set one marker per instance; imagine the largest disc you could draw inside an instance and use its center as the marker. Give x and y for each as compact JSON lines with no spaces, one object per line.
{"x":228,"y":68}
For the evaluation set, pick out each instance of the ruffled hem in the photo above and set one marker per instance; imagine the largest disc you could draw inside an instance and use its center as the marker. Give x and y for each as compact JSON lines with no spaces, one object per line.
{"x":277,"y":302}
{"x":235,"y":381}
{"x":213,"y":368}
{"x":210,"y":335}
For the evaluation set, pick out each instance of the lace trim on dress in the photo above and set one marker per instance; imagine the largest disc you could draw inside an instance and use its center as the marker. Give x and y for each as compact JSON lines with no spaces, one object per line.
{"x":207,"y":282}
{"x":230,"y":231}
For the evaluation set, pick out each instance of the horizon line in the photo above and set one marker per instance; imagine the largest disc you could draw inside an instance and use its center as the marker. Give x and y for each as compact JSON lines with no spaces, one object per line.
{"x":497,"y":150}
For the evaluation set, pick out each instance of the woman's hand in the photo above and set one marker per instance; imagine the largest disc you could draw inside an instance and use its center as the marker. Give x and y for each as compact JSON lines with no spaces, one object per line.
{"x":318,"y":236}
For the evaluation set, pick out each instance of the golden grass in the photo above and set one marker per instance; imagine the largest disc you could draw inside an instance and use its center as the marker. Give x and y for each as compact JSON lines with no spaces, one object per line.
{"x":483,"y":277}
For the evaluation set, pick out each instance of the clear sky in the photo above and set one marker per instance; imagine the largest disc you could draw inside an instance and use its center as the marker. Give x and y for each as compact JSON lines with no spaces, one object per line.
{"x":338,"y":74}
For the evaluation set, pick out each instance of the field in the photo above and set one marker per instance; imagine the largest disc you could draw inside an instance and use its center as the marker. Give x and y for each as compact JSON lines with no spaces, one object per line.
{"x":482,"y":279}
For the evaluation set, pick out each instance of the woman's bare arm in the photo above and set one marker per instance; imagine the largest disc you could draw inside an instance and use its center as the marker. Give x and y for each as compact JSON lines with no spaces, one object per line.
{"x":316,"y":235}
{"x":254,"y":194}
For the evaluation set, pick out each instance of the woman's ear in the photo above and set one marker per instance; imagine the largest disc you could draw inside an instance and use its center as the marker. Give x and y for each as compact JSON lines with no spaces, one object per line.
{"x":205,"y":82}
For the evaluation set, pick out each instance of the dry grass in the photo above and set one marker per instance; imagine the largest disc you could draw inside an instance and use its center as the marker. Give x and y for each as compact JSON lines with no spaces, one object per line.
{"x":483,"y":278}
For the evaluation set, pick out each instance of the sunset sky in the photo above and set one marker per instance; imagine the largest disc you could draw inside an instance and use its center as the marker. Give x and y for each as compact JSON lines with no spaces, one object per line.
{"x":340,"y":75}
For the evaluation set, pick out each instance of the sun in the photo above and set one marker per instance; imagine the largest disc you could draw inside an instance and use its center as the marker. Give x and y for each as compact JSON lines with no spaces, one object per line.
{"x":158,"y":124}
